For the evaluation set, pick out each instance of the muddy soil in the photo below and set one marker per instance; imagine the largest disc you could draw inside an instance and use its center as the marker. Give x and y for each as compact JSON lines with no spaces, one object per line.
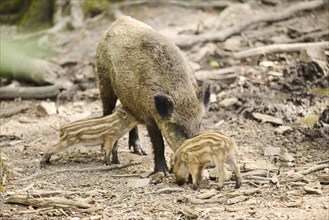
{"x":296,"y":92}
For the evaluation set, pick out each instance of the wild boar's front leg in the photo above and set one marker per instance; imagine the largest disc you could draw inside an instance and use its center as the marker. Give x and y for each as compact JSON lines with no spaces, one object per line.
{"x":158,"y":147}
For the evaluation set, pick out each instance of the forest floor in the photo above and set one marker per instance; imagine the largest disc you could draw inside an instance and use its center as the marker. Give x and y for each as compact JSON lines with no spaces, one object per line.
{"x":272,"y":157}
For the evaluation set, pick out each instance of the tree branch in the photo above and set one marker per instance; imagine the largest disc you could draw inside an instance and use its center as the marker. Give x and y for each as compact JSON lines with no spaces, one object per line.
{"x":275,"y":48}
{"x":223,"y":34}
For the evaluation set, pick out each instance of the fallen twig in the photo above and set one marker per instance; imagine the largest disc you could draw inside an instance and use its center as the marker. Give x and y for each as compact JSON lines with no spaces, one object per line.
{"x":125,"y":175}
{"x":220,"y":74}
{"x":308,"y":36}
{"x":223,"y":34}
{"x":245,"y":193}
{"x":36,"y":210}
{"x":257,"y":178}
{"x":41,"y":193}
{"x":167,"y":190}
{"x":92,"y":169}
{"x":56,"y":202}
{"x":313,"y":169}
{"x":275,"y":48}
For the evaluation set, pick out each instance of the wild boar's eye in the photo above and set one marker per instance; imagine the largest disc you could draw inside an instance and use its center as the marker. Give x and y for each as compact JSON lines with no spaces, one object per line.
{"x":181,"y":130}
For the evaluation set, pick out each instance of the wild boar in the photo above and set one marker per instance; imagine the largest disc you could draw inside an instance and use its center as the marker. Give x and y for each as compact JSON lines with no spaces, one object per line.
{"x":197,"y":152}
{"x":90,"y":132}
{"x":150,"y":77}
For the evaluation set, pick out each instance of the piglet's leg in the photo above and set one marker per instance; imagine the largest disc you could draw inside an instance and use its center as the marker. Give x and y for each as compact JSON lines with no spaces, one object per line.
{"x":108,"y":150}
{"x":194,"y":171}
{"x":115,"y":159}
{"x":53,"y":150}
{"x":234,"y":166}
{"x":220,"y":164}
{"x":200,"y":172}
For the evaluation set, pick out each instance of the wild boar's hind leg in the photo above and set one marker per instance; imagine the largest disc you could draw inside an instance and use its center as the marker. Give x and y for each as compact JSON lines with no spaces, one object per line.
{"x":158,"y":147}
{"x":135,"y":142}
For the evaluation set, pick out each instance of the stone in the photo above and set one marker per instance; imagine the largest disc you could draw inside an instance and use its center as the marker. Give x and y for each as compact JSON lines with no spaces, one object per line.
{"x":46,"y":108}
{"x":208,"y":194}
{"x":213,"y":98}
{"x":313,"y":188}
{"x":271,"y":151}
{"x":286,"y":157}
{"x":137,"y":183}
{"x":267,"y":118}
{"x":228,"y":102}
{"x":282,"y":129}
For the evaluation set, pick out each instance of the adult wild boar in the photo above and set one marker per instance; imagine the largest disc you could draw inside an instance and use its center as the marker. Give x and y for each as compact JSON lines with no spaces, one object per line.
{"x":150,"y":77}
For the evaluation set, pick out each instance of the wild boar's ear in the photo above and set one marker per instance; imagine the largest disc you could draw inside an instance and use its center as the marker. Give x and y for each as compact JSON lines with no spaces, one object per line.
{"x":204,"y":92}
{"x":164,"y":105}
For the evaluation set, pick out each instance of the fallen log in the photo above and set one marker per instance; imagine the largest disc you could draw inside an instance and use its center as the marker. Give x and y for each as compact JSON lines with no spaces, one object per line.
{"x":40,"y":92}
{"x":16,"y":65}
{"x":225,"y":33}
{"x":277,"y":48}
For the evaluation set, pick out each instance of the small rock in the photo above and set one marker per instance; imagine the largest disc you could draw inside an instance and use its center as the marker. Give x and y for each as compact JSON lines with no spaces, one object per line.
{"x":189,"y":212}
{"x":271,"y":151}
{"x":237,"y":200}
{"x":313,"y":188}
{"x":137,"y":183}
{"x":207,"y":194}
{"x":286,"y":157}
{"x":324,"y":179}
{"x":294,"y":205}
{"x":146,"y":174}
{"x":267,"y":118}
{"x":274,"y":73}
{"x":233,"y":43}
{"x":266,"y":63}
{"x":79,"y":116}
{"x":213,"y":98}
{"x":282,"y":129}
{"x":228,"y":102}
{"x":46,"y":108}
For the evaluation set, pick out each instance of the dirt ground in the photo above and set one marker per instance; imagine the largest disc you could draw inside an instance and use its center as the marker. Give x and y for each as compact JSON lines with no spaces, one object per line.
{"x":279,"y":85}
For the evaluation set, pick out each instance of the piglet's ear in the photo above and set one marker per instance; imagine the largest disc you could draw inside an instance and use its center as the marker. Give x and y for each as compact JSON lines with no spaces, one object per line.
{"x":164,"y":105}
{"x":122,"y":113}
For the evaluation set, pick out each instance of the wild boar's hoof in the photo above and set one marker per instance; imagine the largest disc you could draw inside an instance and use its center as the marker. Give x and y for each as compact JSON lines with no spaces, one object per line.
{"x":138,"y":148}
{"x":162,"y":168}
